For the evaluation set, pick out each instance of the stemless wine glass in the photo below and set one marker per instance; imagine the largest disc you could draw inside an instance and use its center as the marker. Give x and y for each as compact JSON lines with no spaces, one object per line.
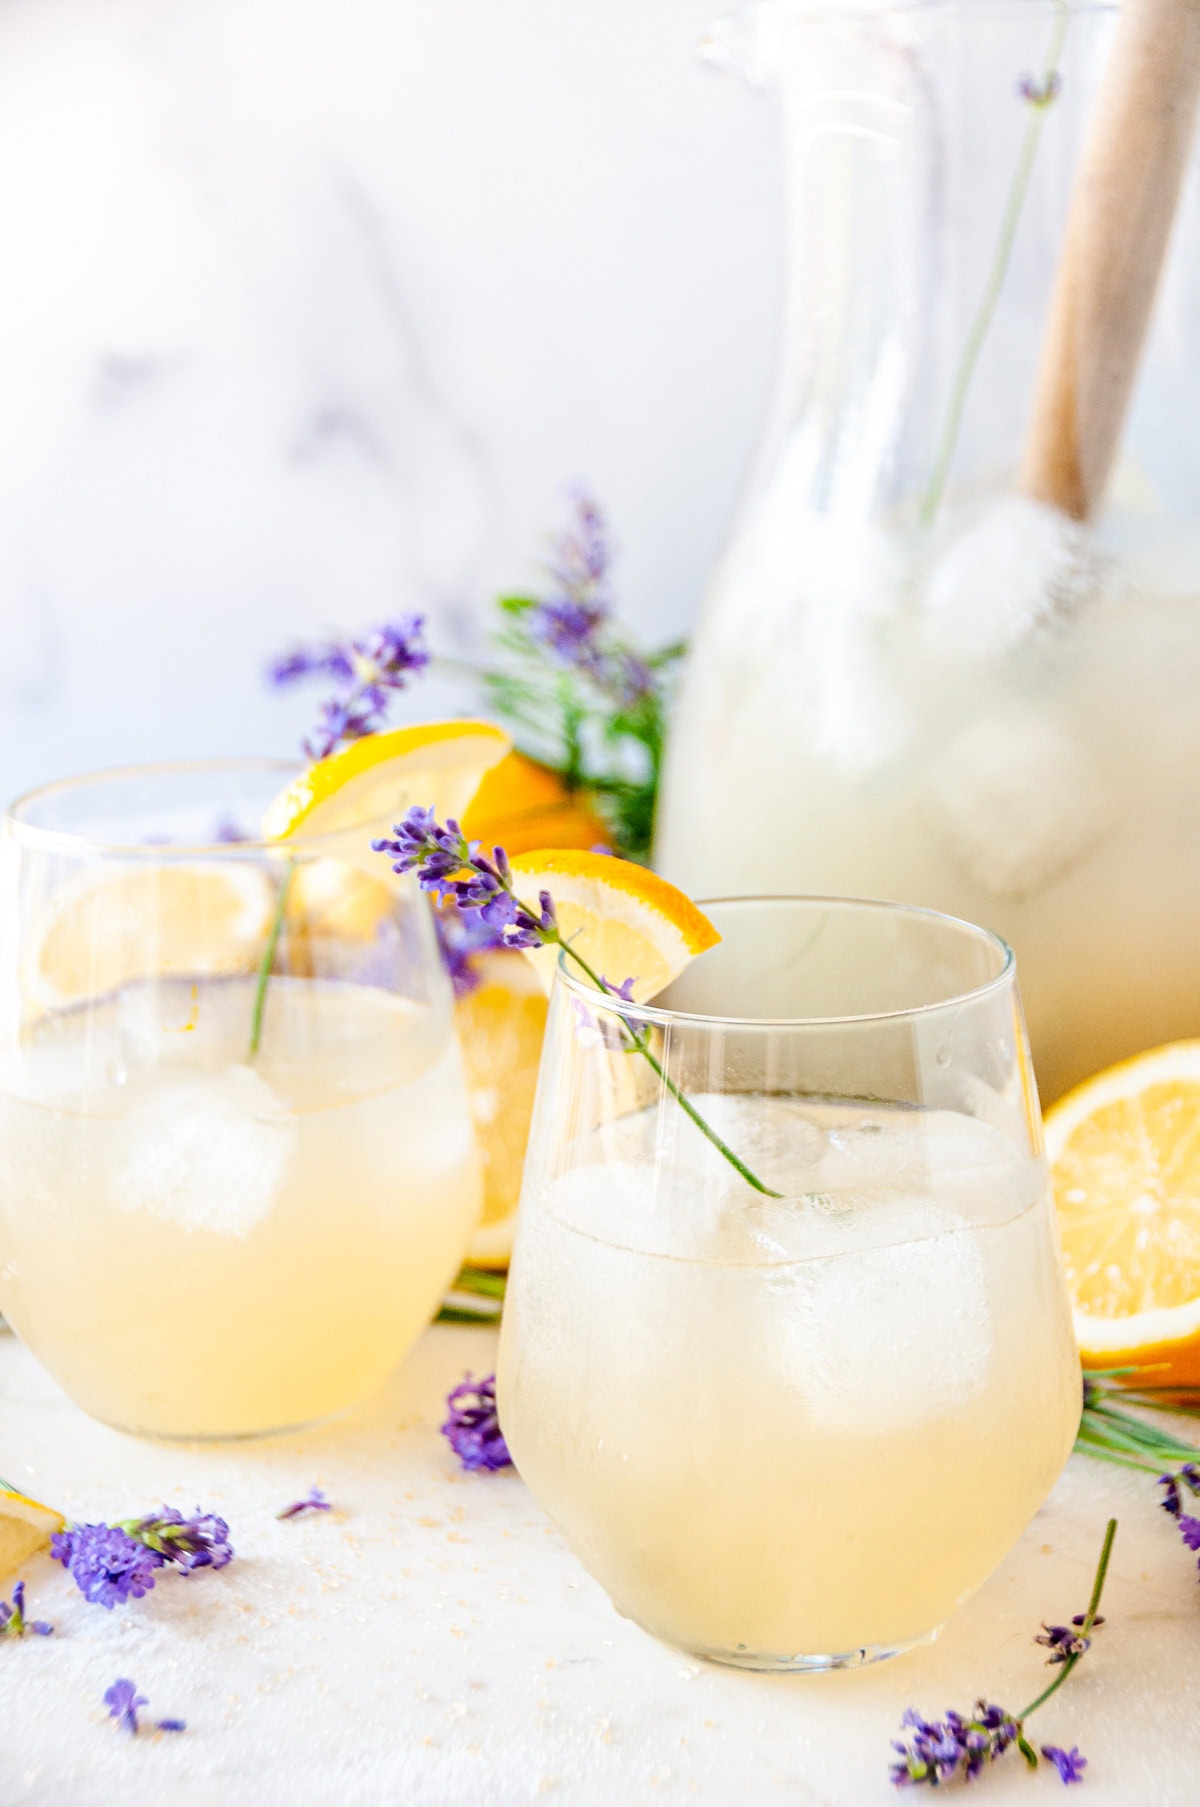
{"x":795,"y":1427}
{"x":236,"y":1161}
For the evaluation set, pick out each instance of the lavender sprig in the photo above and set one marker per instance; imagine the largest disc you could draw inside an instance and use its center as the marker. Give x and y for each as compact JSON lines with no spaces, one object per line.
{"x":14,"y":1624}
{"x":472,"y":1428}
{"x":455,"y":869}
{"x":963,"y":1745}
{"x":114,"y":1563}
{"x":366,"y":673}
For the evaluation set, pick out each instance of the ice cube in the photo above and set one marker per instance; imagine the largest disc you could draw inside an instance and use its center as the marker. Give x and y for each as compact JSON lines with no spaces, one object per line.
{"x":894,"y":1333}
{"x":1020,"y":567}
{"x":206,"y":1152}
{"x":1018,"y":801}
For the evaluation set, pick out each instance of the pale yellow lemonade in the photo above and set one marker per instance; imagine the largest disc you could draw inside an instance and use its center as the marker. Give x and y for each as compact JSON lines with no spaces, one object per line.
{"x":790,"y":1428}
{"x":200,"y":1244}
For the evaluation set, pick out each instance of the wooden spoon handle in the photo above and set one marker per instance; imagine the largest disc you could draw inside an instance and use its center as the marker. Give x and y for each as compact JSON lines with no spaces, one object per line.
{"x":1124,"y":202}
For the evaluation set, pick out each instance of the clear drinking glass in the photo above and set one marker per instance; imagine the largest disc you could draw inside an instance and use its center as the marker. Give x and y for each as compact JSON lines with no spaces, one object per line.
{"x":794,"y":1431}
{"x":227,"y":1205}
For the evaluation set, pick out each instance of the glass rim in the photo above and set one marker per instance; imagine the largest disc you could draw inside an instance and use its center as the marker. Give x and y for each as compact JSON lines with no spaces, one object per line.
{"x":582,"y":988}
{"x":72,"y":841}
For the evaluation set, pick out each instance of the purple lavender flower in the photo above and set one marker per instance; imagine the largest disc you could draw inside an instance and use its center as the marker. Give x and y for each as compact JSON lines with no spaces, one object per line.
{"x":107,"y":1565}
{"x":123,"y":1701}
{"x":315,"y":1501}
{"x":473,"y":1428}
{"x":1189,"y":1530}
{"x":366,"y":673}
{"x":1069,"y":1764}
{"x":1040,"y":93}
{"x":454,"y":869}
{"x":463,"y":934}
{"x":942,"y":1748}
{"x":13,"y":1623}
{"x":199,"y":1542}
{"x":112,"y":1563}
{"x":172,"y":1725}
{"x":1172,"y":1500}
{"x":1063,"y":1641}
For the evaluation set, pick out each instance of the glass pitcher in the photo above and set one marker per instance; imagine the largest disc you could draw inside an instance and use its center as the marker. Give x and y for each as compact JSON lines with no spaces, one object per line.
{"x":916,"y":678}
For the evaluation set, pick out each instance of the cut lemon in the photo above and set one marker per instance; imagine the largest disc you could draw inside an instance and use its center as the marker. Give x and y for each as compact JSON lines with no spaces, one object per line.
{"x":105,"y":931}
{"x":523,"y":805}
{"x":625,"y":921}
{"x":382,"y":775}
{"x":1124,"y":1151}
{"x":500,"y":1026}
{"x":25,"y":1527}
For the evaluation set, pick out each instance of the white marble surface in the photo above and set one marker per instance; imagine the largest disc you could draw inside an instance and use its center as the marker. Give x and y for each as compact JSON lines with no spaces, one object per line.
{"x":436,"y":1644}
{"x":313,"y":308}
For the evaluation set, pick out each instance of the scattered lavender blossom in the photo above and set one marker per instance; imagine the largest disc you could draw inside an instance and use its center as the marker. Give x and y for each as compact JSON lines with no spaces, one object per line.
{"x":315,"y":1501}
{"x":1040,"y":93}
{"x":113,"y":1563}
{"x":961,"y":1745}
{"x":123,"y":1702}
{"x":14,"y":1624}
{"x":366,"y":672}
{"x":473,"y":1428}
{"x":1069,"y":1764}
{"x":1063,"y":1641}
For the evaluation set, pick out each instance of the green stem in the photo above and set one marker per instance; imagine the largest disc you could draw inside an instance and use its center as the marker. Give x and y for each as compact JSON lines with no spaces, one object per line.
{"x":1084,"y":1630}
{"x":461,"y":1314}
{"x":481,"y":1280}
{"x":981,"y":324}
{"x":268,"y":960}
{"x":685,"y":1104}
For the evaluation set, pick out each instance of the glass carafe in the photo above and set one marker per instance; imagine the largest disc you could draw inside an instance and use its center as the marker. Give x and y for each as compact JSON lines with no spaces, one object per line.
{"x":912,"y":678}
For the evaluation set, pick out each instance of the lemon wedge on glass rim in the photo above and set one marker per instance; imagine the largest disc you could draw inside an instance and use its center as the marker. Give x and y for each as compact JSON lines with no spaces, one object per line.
{"x":1124,"y":1153}
{"x":625,"y":921}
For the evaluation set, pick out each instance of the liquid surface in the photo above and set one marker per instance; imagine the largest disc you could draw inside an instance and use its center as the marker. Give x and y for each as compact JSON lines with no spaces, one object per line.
{"x":799,"y":1427}
{"x":198,"y":1245}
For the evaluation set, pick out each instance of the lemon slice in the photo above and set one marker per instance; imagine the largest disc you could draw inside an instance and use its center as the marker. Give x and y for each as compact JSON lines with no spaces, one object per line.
{"x":625,"y":921}
{"x":500,"y":1027}
{"x":382,"y":775}
{"x":521,"y":805}
{"x":26,"y":1526}
{"x":1124,"y":1152}
{"x":106,"y":930}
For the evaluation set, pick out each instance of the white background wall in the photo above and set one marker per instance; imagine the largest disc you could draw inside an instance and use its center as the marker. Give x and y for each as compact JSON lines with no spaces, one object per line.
{"x":309,"y":311}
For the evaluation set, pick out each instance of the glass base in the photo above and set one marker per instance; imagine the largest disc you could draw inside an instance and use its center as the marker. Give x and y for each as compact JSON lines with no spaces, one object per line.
{"x":240,"y":1436}
{"x":812,"y":1664}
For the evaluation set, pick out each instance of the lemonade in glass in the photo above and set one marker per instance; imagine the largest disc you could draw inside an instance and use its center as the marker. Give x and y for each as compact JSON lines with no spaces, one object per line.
{"x":792,"y":1424}
{"x":237,"y":1168}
